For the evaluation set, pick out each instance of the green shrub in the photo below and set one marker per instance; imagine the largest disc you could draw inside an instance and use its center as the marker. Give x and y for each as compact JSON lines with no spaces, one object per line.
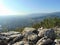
{"x":48,"y":23}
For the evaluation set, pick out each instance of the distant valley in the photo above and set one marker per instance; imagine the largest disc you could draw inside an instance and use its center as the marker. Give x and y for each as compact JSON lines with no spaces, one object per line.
{"x":11,"y":22}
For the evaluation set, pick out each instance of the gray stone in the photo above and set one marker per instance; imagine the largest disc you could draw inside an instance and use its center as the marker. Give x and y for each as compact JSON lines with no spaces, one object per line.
{"x":50,"y":34}
{"x":19,"y":38}
{"x":41,"y":32}
{"x":44,"y":41}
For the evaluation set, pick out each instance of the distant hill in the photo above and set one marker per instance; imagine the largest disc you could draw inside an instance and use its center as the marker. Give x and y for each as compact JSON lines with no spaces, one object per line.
{"x":12,"y":22}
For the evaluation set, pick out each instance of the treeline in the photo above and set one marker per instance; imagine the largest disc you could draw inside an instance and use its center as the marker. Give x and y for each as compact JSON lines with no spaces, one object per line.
{"x":48,"y":23}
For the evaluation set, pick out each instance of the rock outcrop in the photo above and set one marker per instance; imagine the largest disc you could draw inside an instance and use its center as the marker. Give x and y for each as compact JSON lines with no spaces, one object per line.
{"x":31,"y":36}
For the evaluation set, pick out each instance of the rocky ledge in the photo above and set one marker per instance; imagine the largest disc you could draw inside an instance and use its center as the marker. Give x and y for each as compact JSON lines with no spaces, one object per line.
{"x":30,"y":36}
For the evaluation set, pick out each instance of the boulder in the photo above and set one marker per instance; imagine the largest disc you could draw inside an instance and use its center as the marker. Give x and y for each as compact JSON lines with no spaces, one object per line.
{"x":44,"y":41}
{"x":50,"y":34}
{"x":33,"y":38}
{"x":41,"y":32}
{"x":17,"y":39}
{"x":28,"y":30}
{"x":31,"y":34}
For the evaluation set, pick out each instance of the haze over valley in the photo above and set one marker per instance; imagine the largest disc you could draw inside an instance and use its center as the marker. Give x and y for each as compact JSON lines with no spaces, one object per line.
{"x":11,"y":22}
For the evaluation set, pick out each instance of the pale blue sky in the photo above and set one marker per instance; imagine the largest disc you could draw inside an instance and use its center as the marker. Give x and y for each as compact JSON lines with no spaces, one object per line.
{"x":21,"y":7}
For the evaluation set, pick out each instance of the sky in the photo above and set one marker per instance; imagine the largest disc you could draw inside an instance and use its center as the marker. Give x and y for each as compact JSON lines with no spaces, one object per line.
{"x":24,"y":7}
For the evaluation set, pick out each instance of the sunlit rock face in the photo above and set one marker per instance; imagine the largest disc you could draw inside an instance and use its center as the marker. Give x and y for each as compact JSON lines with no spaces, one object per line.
{"x":28,"y":30}
{"x":57,"y":42}
{"x":42,"y":32}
